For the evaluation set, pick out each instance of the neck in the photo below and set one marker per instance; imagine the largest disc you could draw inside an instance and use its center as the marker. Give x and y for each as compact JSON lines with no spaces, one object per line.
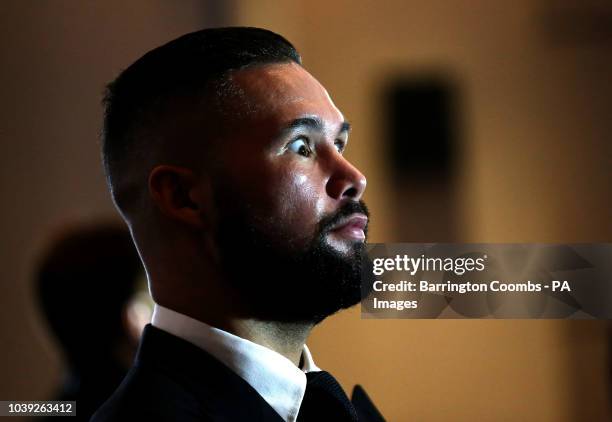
{"x":223,"y":308}
{"x":286,"y":338}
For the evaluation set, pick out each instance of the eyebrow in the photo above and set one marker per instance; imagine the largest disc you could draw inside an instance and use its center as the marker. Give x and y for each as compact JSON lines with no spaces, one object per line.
{"x":313,"y":123}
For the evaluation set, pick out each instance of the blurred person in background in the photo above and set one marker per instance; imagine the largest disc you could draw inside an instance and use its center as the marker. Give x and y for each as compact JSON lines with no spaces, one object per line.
{"x":85,"y":282}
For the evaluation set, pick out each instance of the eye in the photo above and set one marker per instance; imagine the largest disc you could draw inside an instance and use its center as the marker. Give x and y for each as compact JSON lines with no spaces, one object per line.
{"x":300,"y":146}
{"x":340,"y":145}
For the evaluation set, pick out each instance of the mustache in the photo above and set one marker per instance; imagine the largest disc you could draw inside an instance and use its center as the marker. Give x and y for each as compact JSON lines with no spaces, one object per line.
{"x":349,"y":208}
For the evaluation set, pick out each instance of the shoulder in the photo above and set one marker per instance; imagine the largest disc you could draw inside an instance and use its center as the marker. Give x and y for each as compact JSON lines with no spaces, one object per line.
{"x":173,"y":380}
{"x":148,"y":392}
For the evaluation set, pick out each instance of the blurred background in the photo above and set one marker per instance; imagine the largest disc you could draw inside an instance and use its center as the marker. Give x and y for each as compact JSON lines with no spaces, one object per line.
{"x":474,"y":121}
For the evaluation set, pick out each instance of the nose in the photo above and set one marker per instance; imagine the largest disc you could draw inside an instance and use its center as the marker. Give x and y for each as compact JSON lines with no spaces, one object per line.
{"x":345,"y":180}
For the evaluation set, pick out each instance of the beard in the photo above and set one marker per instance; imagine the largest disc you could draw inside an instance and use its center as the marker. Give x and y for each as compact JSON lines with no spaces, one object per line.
{"x":277,"y":281}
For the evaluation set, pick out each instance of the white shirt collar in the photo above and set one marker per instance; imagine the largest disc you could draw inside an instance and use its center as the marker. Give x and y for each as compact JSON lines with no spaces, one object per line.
{"x":277,"y":380}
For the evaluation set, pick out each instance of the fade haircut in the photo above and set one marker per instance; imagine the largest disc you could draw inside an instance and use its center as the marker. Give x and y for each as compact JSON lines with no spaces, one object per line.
{"x":189,"y":72}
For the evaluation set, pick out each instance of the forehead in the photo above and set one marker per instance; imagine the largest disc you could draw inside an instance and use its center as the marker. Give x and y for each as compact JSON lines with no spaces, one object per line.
{"x":283,"y":92}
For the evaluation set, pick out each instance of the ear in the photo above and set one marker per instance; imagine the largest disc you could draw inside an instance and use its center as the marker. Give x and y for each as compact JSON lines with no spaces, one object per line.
{"x":179,"y":194}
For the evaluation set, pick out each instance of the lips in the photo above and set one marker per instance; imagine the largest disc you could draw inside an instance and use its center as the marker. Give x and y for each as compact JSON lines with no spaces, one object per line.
{"x":352,"y":227}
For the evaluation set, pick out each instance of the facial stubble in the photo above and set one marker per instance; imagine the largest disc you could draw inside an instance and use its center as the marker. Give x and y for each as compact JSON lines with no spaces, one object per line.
{"x":277,"y":281}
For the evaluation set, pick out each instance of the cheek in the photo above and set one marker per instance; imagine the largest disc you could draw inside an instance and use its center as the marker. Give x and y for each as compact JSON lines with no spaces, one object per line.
{"x":301,"y":203}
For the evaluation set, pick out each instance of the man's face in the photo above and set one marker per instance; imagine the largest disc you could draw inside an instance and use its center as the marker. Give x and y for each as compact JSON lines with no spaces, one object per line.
{"x":290,"y":210}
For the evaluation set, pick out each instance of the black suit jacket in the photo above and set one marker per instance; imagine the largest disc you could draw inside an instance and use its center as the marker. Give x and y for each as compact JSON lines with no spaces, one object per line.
{"x":173,"y":380}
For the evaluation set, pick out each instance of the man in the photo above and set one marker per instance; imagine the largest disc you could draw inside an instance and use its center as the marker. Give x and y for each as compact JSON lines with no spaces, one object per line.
{"x":224,"y":156}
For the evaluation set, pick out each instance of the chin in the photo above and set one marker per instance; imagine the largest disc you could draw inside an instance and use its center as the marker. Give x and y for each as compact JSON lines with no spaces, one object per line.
{"x":344,"y":246}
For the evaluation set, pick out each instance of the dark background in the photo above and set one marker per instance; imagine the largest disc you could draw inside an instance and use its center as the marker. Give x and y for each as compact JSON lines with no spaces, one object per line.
{"x":523,"y":94}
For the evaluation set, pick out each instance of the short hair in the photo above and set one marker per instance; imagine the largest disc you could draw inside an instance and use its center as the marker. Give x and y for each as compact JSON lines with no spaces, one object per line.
{"x":189,"y":68}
